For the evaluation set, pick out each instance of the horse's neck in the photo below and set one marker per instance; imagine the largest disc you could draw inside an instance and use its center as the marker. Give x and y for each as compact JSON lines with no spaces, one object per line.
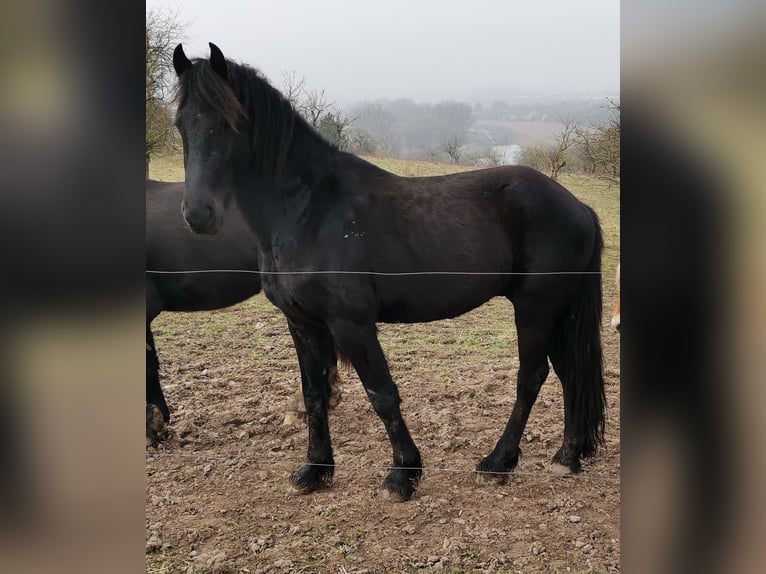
{"x":309,"y":158}
{"x":270,"y":205}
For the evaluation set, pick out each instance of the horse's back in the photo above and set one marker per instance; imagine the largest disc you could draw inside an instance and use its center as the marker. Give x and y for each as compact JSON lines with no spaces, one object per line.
{"x":514,"y":214}
{"x":462,"y":237}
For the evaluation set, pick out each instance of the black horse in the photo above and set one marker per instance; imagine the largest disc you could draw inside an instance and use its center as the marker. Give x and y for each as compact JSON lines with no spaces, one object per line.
{"x":171,"y":246}
{"x":345,"y":244}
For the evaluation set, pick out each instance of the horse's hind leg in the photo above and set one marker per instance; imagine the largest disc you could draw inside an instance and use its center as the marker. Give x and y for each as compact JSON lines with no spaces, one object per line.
{"x":316,"y":355}
{"x":360,"y":344}
{"x":534,"y":334}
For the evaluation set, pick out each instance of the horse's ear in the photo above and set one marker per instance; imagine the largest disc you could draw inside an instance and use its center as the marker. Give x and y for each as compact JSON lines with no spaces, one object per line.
{"x":217,"y":61}
{"x":180,"y":62}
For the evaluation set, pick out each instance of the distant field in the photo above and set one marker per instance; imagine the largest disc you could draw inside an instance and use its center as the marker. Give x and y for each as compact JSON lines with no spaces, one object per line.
{"x":520,"y":133}
{"x":170,"y":167}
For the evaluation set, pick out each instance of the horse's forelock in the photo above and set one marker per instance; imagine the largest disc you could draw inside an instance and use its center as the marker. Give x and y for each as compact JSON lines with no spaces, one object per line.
{"x":204,"y":83}
{"x":245,"y":98}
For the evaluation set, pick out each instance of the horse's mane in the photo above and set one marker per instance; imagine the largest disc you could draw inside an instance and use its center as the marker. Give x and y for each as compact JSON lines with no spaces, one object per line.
{"x":247,"y":101}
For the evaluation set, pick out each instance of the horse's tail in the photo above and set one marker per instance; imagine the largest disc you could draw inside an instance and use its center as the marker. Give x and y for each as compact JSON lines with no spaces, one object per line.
{"x":580,"y":340}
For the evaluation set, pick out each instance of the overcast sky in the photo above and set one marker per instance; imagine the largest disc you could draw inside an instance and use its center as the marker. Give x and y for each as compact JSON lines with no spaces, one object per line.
{"x":427,"y":50}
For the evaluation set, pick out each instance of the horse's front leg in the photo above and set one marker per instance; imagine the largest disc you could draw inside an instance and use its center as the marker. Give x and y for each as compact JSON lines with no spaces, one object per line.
{"x":359,"y":342}
{"x":316,"y":355}
{"x":156,"y":431}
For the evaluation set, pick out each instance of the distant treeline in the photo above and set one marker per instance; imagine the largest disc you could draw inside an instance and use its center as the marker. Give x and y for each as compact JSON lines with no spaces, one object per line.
{"x":446,"y":131}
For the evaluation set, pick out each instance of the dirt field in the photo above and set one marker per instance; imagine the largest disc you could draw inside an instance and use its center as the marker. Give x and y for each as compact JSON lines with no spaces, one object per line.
{"x":217,"y":495}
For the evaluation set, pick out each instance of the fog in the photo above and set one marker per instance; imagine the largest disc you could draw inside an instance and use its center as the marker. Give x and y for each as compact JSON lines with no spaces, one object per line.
{"x":426,"y":50}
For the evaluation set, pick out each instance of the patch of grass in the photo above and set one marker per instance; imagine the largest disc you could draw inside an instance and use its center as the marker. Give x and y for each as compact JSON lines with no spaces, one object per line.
{"x":212,"y":328}
{"x":330,"y":511}
{"x":414,"y":168}
{"x":167,"y":167}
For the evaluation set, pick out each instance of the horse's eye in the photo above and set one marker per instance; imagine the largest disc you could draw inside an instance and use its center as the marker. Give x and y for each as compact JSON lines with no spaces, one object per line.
{"x":223,"y":127}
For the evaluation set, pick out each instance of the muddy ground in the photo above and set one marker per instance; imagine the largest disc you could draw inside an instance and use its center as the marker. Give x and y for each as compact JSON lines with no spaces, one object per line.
{"x":217,"y":495}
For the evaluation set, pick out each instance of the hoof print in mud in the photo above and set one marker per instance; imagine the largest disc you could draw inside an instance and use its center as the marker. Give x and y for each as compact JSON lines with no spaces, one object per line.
{"x":560,"y":470}
{"x":499,"y":478}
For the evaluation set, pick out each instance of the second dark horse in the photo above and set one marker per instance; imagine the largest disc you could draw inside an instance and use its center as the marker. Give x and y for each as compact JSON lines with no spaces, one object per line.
{"x":171,"y":246}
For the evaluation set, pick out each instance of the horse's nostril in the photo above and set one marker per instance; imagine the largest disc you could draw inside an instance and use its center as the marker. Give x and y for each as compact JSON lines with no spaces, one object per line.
{"x":201,"y":218}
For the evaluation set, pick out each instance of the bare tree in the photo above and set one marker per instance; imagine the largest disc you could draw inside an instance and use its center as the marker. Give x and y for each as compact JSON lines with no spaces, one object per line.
{"x":316,"y":109}
{"x":361,"y":142}
{"x":495,"y":156}
{"x":452,"y":118}
{"x":451,"y":122}
{"x":534,"y":157}
{"x":599,"y":145}
{"x":163,"y":32}
{"x":375,"y":119}
{"x":587,"y":148}
{"x":314,"y":106}
{"x":334,"y":125}
{"x":453,"y":147}
{"x":555,"y":156}
{"x":497,"y":153}
{"x":293,"y":87}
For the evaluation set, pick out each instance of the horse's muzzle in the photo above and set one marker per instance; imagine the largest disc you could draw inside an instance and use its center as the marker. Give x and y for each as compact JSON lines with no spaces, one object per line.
{"x":202,"y":219}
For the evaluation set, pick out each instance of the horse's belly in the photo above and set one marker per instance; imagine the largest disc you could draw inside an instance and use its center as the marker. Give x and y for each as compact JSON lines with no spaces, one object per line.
{"x":417,"y":300}
{"x":207,"y":292}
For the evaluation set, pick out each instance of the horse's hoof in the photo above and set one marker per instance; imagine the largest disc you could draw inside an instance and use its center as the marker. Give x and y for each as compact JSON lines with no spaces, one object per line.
{"x":396,"y":492}
{"x":490,"y":471}
{"x":156,"y":431}
{"x":400,"y":484}
{"x":564,"y":464}
{"x":311,"y":478}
